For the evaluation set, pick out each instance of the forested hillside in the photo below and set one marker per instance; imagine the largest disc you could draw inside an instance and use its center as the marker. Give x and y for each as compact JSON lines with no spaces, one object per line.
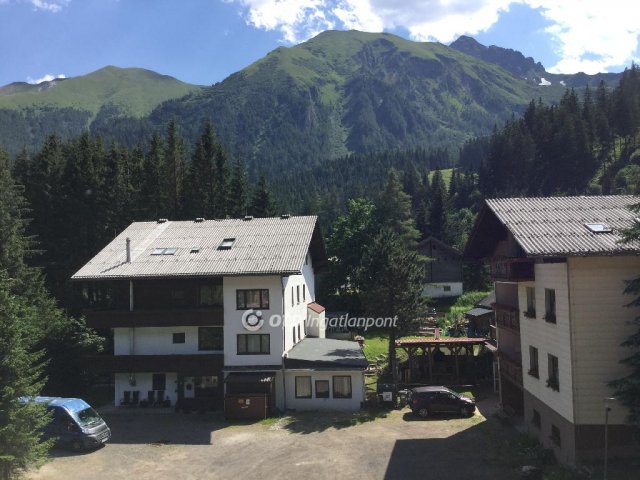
{"x":583,"y":145}
{"x":337,"y":94}
{"x":67,"y":107}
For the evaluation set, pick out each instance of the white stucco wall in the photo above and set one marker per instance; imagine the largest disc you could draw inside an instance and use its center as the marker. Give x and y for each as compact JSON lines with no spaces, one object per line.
{"x":437,"y":290}
{"x":233,"y":320}
{"x":143,"y":384}
{"x":600,"y":319}
{"x":156,"y":341}
{"x":313,"y":403}
{"x":548,"y":338}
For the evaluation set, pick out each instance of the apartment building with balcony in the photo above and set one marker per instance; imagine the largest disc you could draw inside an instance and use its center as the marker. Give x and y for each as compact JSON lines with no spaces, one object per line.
{"x":208,"y":313}
{"x":559,"y":270}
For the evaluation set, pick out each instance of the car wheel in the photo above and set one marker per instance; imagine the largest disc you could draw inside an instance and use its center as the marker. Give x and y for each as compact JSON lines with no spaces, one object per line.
{"x":76,"y":446}
{"x":465,"y":411}
{"x":423,"y":412}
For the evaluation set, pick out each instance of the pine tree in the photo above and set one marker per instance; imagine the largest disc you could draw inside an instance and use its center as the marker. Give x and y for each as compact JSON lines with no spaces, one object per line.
{"x":391,"y":278}
{"x":394,"y":210}
{"x":238,"y":189}
{"x":21,"y":375}
{"x":174,"y":171}
{"x":262,"y":204}
{"x":439,"y":208}
{"x":221,"y":184}
{"x":151,"y":194}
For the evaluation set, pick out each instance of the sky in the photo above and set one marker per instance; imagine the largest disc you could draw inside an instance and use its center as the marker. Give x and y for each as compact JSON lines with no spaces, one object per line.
{"x":204,"y":41}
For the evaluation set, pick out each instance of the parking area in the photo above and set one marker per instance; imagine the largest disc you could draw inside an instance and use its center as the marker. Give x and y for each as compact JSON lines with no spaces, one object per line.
{"x":382,"y":445}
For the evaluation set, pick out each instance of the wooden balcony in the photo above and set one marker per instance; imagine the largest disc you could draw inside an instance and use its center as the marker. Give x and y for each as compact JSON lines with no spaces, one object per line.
{"x":513,"y":270}
{"x":205,"y":364}
{"x":100,"y":319}
{"x":510,"y":369}
{"x":508,"y":317}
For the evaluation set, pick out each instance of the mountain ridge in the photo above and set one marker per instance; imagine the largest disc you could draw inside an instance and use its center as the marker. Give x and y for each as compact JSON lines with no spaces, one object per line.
{"x":338,"y":93}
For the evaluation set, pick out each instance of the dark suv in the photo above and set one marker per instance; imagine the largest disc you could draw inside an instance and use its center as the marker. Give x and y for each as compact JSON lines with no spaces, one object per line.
{"x":425,"y":401}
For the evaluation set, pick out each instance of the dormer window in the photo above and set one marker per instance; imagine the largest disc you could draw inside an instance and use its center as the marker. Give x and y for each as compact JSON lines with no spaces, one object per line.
{"x":598,"y":227}
{"x":227,"y":243}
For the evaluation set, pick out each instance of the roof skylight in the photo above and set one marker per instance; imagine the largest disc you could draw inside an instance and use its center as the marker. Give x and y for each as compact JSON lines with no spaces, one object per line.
{"x":227,"y":243}
{"x":598,"y":227}
{"x":164,"y":251}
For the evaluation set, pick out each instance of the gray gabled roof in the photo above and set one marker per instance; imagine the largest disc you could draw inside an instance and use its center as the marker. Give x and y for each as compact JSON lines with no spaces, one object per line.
{"x":326,"y":354}
{"x":555,"y":226}
{"x":262,"y":246}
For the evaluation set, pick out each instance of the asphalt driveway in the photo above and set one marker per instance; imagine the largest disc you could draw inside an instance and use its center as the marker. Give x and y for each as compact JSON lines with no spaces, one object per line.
{"x":387,"y":445}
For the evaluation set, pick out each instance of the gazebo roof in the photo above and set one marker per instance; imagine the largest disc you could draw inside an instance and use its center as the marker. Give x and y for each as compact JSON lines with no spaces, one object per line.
{"x":419,"y":342}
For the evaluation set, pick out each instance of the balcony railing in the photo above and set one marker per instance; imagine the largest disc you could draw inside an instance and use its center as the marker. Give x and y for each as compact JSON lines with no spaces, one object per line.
{"x":508,"y":317}
{"x":510,"y":369}
{"x":514,"y":270}
{"x":155,"y":318}
{"x":205,"y":364}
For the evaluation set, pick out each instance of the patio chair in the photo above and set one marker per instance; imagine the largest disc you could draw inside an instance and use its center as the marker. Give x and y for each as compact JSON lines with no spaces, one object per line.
{"x":159,"y":398}
{"x":127,"y":398}
{"x":135,"y":398}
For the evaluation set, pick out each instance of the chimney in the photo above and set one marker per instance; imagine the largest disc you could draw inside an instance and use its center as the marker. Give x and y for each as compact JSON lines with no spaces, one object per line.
{"x":128,"y":250}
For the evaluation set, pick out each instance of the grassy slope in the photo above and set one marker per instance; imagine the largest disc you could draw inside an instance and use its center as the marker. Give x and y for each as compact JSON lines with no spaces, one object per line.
{"x":135,"y":90}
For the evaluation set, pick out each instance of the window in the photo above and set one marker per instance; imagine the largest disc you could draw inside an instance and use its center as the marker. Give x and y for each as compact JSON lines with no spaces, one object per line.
{"x":533,"y":362}
{"x":555,"y":435}
{"x":553,"y":381}
{"x":164,"y":251}
{"x":303,"y":387}
{"x":178,"y":337}
{"x":292,"y":297}
{"x":531,"y":303}
{"x":550,"y":305}
{"x":158,"y":381}
{"x":304,"y":293}
{"x":210,"y":338}
{"x":293,"y":334}
{"x":226,"y":244}
{"x":298,"y":293}
{"x":246,"y":299}
{"x":253,"y":344}
{"x":210,"y":295}
{"x":535,"y":419}
{"x":194,"y":250}
{"x":322,"y":388}
{"x":598,"y":227}
{"x":342,"y":386}
{"x":446,"y":288}
{"x":299,"y":332}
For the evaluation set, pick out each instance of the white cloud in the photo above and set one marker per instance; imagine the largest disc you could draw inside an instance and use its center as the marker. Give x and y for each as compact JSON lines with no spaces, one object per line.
{"x":591,"y":36}
{"x":587,"y":35}
{"x":47,"y":78}
{"x":53,"y":6}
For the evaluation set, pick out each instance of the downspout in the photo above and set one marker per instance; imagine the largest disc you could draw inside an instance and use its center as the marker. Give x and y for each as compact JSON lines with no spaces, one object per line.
{"x":284,"y":383}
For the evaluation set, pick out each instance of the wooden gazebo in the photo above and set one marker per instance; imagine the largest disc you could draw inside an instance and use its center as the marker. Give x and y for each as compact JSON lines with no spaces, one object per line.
{"x":427,"y":352}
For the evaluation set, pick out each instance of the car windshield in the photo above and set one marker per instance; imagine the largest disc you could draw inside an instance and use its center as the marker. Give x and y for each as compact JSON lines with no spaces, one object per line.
{"x":87,"y":417}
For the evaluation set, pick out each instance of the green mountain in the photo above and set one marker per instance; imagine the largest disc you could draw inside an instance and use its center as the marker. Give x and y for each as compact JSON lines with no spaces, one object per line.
{"x":526,"y":67}
{"x":67,"y":106}
{"x":134,"y":91}
{"x":336,"y":94}
{"x":344,"y":92}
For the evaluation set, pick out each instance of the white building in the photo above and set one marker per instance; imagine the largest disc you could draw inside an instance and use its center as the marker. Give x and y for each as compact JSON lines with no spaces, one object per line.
{"x":560,"y":272}
{"x":213,"y":312}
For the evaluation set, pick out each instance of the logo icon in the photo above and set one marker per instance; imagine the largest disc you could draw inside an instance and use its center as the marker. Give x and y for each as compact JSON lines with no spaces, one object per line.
{"x":252,"y":320}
